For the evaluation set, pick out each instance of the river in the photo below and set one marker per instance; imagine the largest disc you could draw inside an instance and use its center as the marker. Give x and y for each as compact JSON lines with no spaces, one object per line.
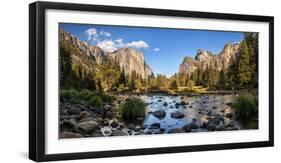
{"x":197,"y":109}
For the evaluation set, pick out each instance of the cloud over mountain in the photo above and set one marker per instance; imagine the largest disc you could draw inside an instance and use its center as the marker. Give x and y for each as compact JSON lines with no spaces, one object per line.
{"x":104,"y":40}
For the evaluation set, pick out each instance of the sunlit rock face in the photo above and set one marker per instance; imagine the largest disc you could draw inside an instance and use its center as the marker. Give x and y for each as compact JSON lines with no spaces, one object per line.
{"x":227,"y":57}
{"x":88,"y":55}
{"x":131,"y":60}
{"x":94,"y":52}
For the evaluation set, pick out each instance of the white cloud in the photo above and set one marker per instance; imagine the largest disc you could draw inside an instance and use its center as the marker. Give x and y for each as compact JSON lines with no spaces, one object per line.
{"x":138,"y":44}
{"x":119,"y":43}
{"x":103,"y":40}
{"x":92,"y":34}
{"x":104,"y":33}
{"x":107,"y":45}
{"x":156,"y":49}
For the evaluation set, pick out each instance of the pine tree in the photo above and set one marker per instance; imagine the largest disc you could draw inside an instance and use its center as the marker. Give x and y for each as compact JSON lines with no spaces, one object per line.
{"x":243,"y":68}
{"x":123,"y":79}
{"x":199,"y":76}
{"x":222,"y":79}
{"x":99,"y":85}
{"x":174,"y":84}
{"x":65,"y":65}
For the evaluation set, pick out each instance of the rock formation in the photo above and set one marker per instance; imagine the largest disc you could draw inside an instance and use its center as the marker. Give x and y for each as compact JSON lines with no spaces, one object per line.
{"x":227,"y":57}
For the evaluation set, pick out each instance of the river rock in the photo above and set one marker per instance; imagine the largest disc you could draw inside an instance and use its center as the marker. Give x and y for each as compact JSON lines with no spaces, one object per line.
{"x":176,"y":130}
{"x":221,"y":128}
{"x":229,"y":104}
{"x":63,"y":112}
{"x":109,"y":114}
{"x":131,"y":126}
{"x":114,"y":123}
{"x":88,"y":119}
{"x":160,"y":114}
{"x":177,"y":115}
{"x":119,"y":133}
{"x":229,"y":115}
{"x":67,"y":134}
{"x":74,"y":110}
{"x":232,"y":128}
{"x":138,"y":128}
{"x":84,"y":114}
{"x":211,"y":127}
{"x":69,"y":123}
{"x":106,"y":131}
{"x":204,"y":125}
{"x":190,"y":126}
{"x":209,"y":113}
{"x":154,"y":126}
{"x":140,"y":133}
{"x":108,"y":107}
{"x":88,"y":126}
{"x":121,"y":126}
{"x":183,"y":103}
{"x":97,"y":133}
{"x":162,"y":130}
{"x":216,"y":120}
{"x":187,"y":128}
{"x":231,"y":124}
{"x":165,"y":104}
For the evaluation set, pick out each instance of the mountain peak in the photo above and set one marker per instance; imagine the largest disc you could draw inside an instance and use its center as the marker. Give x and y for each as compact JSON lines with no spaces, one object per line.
{"x":132,"y":60}
{"x":95,"y":52}
{"x":204,"y":58}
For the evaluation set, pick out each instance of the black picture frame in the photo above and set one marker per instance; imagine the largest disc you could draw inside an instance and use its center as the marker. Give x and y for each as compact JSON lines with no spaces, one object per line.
{"x":37,"y":79}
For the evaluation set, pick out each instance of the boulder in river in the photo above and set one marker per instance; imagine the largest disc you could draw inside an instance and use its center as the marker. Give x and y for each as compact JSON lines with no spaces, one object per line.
{"x":154,"y":126}
{"x":74,"y":110}
{"x":97,"y":133}
{"x":68,"y":134}
{"x":229,"y":115}
{"x":211,"y":127}
{"x":165,"y":104}
{"x":84,"y":114}
{"x":87,"y":127}
{"x":176,"y":130}
{"x":119,"y":133}
{"x":114,"y":123}
{"x":160,"y":114}
{"x":183,"y":103}
{"x":190,"y":126}
{"x":229,"y":104}
{"x":216,"y":120}
{"x":209,"y":113}
{"x":131,"y":126}
{"x":177,"y":115}
{"x":106,"y":131}
{"x":69,"y":123}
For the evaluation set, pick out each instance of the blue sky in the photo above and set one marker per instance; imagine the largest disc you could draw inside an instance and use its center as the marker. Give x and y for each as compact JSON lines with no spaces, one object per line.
{"x":163,"y":48}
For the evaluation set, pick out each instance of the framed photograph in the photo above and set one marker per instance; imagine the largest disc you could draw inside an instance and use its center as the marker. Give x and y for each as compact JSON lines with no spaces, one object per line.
{"x":108,"y":81}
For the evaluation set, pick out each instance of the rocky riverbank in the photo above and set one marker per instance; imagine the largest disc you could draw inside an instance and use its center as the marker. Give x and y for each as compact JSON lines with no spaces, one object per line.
{"x":78,"y":119}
